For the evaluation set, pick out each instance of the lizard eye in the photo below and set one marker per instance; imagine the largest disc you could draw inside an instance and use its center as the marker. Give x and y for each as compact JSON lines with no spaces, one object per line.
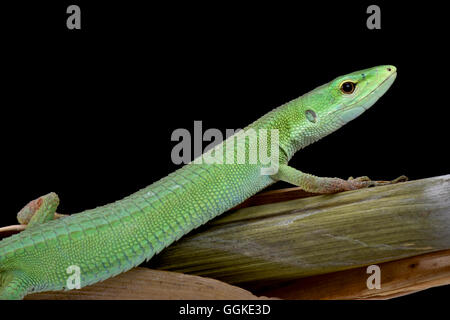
{"x":348,"y":87}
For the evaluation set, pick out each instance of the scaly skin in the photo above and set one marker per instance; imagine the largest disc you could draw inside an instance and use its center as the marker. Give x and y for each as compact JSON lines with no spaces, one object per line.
{"x":108,"y":240}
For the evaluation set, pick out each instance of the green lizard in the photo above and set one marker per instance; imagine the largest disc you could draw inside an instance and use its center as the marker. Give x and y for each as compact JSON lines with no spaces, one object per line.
{"x":114,"y":238}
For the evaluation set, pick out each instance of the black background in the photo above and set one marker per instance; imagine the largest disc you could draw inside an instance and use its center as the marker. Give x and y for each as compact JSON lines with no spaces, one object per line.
{"x":89,"y":113}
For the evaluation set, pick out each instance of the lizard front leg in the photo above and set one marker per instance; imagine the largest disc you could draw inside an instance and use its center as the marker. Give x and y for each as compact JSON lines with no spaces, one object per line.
{"x":314,"y":184}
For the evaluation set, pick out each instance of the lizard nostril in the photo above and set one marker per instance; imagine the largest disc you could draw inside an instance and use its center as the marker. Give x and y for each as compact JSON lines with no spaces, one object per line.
{"x":389,"y":69}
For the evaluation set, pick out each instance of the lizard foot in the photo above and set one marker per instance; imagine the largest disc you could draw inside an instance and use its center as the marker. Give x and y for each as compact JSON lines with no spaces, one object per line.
{"x":39,"y":210}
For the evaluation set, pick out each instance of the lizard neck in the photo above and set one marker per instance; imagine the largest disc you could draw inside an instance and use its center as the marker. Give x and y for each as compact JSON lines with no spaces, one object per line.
{"x":296,"y":130}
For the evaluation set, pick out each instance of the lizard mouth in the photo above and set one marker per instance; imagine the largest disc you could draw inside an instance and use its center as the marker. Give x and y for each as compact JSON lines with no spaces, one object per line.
{"x":379,"y":90}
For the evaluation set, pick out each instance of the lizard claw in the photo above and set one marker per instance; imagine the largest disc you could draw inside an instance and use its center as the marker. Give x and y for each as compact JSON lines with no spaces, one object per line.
{"x":383,"y":183}
{"x":363,"y":178}
{"x":402,"y":178}
{"x":366,"y":182}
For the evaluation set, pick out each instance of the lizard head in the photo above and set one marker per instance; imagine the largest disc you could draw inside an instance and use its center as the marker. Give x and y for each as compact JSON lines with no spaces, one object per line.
{"x":358,"y":91}
{"x":348,"y":96}
{"x":330,"y":106}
